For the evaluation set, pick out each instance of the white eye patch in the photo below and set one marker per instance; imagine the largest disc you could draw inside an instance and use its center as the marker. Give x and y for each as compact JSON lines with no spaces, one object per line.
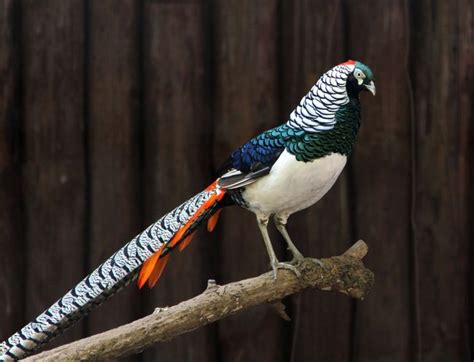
{"x":359,"y":75}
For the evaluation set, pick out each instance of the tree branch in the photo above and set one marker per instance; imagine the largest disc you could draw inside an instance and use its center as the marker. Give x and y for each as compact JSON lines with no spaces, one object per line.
{"x":345,"y":273}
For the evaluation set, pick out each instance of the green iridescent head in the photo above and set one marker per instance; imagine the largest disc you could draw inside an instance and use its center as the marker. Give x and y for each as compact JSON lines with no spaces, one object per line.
{"x":361,"y":79}
{"x":369,"y":75}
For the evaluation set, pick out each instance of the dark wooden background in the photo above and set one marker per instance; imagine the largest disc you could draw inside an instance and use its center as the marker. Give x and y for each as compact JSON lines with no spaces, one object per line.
{"x":113,"y":112}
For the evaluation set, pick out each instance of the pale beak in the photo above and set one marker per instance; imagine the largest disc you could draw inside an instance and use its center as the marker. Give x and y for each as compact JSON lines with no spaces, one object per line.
{"x":370,"y":87}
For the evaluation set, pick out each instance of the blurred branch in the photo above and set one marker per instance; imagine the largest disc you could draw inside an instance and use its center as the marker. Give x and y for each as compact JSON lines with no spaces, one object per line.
{"x":345,"y":273}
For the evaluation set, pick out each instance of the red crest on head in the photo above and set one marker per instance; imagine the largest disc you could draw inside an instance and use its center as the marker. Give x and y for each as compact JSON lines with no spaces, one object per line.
{"x":348,"y":62}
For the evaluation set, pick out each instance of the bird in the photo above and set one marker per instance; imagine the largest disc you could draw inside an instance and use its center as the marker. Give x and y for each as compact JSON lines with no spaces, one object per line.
{"x":277,"y":173}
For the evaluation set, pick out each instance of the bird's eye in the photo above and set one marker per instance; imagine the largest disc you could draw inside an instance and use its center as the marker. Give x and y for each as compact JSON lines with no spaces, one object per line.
{"x":359,"y":74}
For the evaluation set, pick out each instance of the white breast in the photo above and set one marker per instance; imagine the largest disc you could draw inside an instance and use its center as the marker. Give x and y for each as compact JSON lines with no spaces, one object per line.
{"x":293,"y":185}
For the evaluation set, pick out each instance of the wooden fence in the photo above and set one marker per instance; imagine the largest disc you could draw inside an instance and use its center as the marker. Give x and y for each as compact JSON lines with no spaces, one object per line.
{"x":113,"y":112}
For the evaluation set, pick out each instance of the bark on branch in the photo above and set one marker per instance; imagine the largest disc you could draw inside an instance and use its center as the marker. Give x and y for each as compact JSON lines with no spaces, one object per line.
{"x":345,"y":273}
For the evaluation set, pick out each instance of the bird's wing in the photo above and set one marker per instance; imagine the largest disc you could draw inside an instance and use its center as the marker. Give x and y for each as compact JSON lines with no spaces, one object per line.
{"x":254,"y":159}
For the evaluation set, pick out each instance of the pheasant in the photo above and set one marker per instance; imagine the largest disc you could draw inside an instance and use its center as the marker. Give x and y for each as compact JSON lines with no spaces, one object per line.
{"x":277,"y":173}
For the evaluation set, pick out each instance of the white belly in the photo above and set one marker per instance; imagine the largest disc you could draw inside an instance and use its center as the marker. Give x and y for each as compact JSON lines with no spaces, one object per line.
{"x":293,"y":185}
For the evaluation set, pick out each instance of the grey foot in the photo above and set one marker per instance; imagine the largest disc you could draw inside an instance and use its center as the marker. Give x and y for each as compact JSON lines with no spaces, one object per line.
{"x":279,"y":265}
{"x":297,"y":258}
{"x":318,"y":262}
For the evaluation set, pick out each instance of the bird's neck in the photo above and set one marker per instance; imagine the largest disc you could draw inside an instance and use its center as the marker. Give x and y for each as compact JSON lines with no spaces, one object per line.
{"x":317,"y":110}
{"x":308,"y":146}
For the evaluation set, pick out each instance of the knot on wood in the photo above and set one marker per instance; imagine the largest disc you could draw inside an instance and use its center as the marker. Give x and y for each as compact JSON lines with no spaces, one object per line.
{"x":211,"y":286}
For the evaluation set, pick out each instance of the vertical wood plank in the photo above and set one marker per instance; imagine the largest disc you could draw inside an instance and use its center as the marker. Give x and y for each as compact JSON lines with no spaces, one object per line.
{"x":466,"y":113}
{"x":246,"y":103}
{"x":113,"y":130}
{"x":443,"y":74}
{"x":54,"y":179}
{"x":313,"y":42}
{"x":177,"y":155}
{"x":11,"y":234}
{"x":377,"y":36}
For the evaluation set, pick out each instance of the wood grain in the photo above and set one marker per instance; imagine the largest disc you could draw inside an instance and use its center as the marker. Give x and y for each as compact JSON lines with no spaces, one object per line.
{"x":113,"y":144}
{"x":177,"y":154}
{"x":442,"y":75}
{"x":54,"y":171}
{"x":12,"y":267}
{"x":378,"y":36}
{"x":311,"y":48}
{"x":246,"y":103}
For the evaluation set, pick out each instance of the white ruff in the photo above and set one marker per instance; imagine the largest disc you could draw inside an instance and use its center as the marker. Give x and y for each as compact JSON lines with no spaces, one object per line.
{"x":317,"y":110}
{"x":293,"y":185}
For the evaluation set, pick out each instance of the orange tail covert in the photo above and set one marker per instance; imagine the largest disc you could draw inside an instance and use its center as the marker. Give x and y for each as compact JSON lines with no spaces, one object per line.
{"x":153,"y":267}
{"x":148,"y":267}
{"x":183,"y":244}
{"x":212,"y":222}
{"x":159,"y":267}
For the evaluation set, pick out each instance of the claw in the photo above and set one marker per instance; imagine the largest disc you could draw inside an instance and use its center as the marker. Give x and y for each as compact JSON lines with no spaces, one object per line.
{"x":287,"y":266}
{"x":297,"y":259}
{"x":318,"y":262}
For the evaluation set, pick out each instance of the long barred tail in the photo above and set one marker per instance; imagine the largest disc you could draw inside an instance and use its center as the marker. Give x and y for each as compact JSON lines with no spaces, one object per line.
{"x":151,"y":247}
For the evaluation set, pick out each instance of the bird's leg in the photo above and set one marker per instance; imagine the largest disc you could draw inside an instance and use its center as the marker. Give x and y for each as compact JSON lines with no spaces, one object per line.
{"x":263,"y":224}
{"x":280,"y":223}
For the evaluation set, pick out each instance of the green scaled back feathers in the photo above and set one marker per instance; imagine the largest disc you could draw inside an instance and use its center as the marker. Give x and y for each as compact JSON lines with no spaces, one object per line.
{"x":308,"y":146}
{"x":340,"y":139}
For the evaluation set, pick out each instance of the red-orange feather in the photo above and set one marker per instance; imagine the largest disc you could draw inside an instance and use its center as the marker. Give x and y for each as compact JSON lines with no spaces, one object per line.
{"x":153,"y":267}
{"x":212,"y":222}
{"x":182,"y":245}
{"x":148,"y":267}
{"x":211,"y":201}
{"x":348,"y":62}
{"x":159,"y":267}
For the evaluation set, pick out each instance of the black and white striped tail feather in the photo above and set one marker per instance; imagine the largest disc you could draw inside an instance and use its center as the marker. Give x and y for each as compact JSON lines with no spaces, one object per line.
{"x":109,"y":278}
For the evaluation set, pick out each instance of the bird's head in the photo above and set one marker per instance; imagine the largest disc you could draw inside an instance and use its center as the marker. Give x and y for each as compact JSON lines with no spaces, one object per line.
{"x":360,"y":79}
